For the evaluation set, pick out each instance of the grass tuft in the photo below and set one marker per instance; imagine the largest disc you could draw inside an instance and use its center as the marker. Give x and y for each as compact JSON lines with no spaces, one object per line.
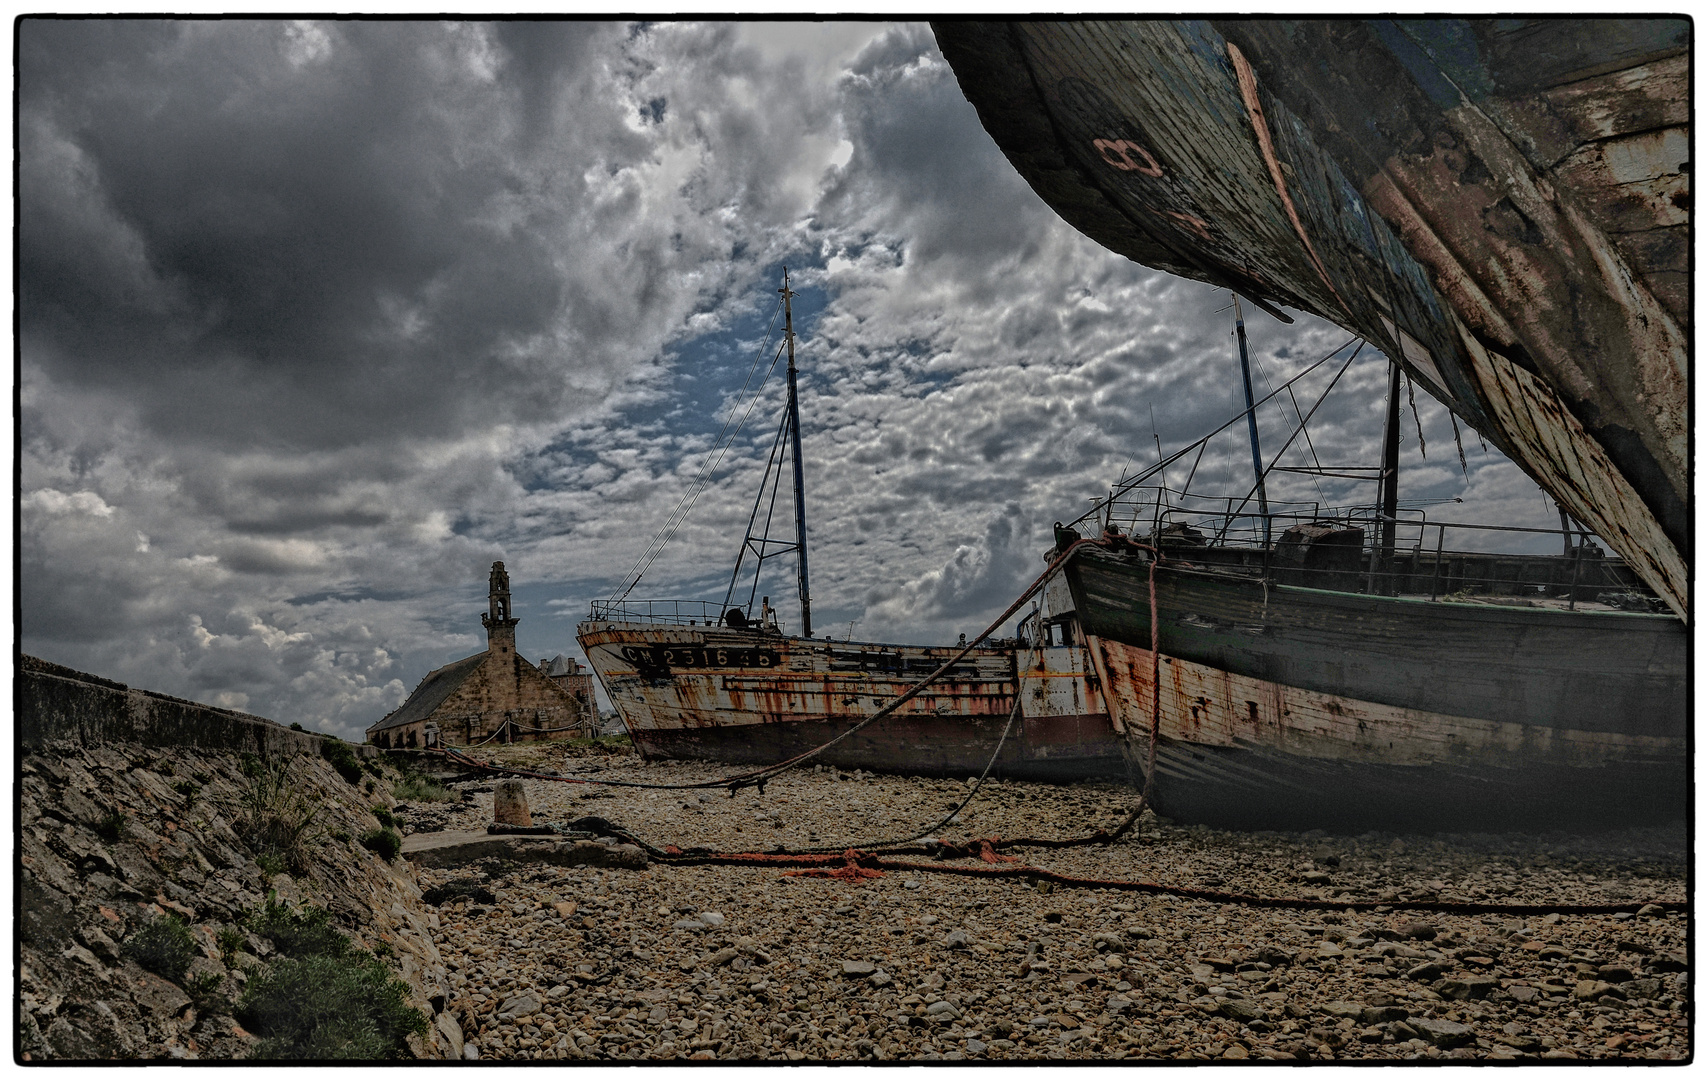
{"x":275,"y":817}
{"x":418,"y":788}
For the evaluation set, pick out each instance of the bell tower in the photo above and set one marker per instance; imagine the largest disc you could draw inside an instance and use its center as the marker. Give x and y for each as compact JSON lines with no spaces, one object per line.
{"x":500,"y":625}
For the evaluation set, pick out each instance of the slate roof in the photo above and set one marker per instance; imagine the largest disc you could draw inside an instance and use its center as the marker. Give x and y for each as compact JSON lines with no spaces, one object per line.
{"x":434,"y":689}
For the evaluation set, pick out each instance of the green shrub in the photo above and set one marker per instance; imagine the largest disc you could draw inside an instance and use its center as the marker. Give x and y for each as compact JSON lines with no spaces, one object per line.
{"x":385,"y":843}
{"x":164,"y":946}
{"x":271,"y":863}
{"x":297,"y":727}
{"x":325,"y":1008}
{"x":231,"y":942}
{"x":304,"y":931}
{"x":188,"y":788}
{"x":418,"y":788}
{"x":383,"y":815}
{"x":113,"y":827}
{"x":339,"y":754}
{"x":274,"y":816}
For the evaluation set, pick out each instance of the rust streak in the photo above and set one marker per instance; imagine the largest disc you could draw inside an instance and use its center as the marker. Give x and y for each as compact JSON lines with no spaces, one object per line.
{"x":1248,"y":92}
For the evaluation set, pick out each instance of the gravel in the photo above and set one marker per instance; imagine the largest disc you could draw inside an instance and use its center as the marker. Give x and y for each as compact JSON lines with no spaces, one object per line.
{"x":731,"y":963}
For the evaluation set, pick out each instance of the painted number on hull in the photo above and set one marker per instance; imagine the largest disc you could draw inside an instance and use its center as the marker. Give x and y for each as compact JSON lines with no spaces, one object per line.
{"x":661,"y":656}
{"x":1127,"y":156}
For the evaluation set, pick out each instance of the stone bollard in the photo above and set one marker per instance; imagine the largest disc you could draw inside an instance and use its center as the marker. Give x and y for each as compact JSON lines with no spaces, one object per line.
{"x":510,"y":804}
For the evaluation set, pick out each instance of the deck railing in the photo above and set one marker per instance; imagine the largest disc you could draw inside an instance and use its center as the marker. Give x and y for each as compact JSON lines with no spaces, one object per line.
{"x":1230,"y":536}
{"x":678,"y":612}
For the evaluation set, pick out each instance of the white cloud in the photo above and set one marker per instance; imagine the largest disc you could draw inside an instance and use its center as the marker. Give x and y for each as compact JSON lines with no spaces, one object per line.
{"x":321,"y":319}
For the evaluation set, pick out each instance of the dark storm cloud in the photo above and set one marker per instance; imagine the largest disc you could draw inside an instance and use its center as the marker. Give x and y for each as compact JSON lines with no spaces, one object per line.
{"x":303,"y":236}
{"x":319,"y":319}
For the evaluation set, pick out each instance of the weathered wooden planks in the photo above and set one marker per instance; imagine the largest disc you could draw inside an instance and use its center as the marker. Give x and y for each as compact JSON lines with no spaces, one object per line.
{"x":1504,"y":222}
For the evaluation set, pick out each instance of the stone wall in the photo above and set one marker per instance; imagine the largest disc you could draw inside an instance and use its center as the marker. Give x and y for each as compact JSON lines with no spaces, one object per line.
{"x":127,"y":809}
{"x":506,"y":687}
{"x":59,"y":704}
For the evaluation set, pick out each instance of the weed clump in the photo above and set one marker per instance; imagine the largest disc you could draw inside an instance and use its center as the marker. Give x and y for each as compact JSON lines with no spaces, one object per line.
{"x":338,"y":752}
{"x":113,"y":827}
{"x":231,"y":942}
{"x":275,"y":816}
{"x":385,"y":843}
{"x":204,"y":993}
{"x":164,"y":946}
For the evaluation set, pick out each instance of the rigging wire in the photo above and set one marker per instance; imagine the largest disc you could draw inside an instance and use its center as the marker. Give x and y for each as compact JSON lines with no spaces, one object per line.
{"x":708,"y":467}
{"x":1315,"y":482}
{"x":1145,"y":474}
{"x":758,"y":497}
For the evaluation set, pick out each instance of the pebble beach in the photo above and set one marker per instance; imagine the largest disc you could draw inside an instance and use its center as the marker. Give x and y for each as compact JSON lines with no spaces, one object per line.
{"x":717,"y":962}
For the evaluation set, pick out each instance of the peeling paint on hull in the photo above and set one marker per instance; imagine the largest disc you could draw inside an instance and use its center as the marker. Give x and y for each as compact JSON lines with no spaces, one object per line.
{"x":1500,"y":205}
{"x":1291,"y":707}
{"x":749,"y":697}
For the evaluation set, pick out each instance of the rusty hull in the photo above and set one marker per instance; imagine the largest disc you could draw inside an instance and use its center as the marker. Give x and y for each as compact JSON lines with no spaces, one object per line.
{"x":1501,"y":205}
{"x":751,"y":697}
{"x":1283,"y":706}
{"x":1241,"y":752}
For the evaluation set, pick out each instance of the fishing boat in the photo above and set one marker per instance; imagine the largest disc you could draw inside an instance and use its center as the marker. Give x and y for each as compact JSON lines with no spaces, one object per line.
{"x":722,"y":681}
{"x":1499,"y":205}
{"x":1292,"y":665}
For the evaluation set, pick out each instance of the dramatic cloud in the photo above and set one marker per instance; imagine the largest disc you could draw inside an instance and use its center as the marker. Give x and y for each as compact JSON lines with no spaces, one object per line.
{"x":319,"y":319}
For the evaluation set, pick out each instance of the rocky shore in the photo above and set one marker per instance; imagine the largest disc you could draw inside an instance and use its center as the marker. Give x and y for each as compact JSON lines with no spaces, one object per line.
{"x":737,"y":962}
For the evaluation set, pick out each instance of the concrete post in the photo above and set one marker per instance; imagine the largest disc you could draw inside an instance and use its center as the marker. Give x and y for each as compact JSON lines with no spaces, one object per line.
{"x":510,"y":804}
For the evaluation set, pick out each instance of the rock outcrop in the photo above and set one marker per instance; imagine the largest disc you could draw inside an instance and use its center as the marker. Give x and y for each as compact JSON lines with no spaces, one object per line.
{"x":116,"y":831}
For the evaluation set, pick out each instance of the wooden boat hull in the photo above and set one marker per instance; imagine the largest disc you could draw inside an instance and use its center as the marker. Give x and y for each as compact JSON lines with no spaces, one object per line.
{"x":1290,"y":707}
{"x":1501,"y":205}
{"x":754,"y":698}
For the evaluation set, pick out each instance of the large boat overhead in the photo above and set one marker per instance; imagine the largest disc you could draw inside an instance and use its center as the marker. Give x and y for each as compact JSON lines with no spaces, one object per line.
{"x":1500,"y":205}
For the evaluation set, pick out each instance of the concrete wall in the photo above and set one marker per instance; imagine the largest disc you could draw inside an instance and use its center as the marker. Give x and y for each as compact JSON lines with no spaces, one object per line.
{"x":58,"y":704}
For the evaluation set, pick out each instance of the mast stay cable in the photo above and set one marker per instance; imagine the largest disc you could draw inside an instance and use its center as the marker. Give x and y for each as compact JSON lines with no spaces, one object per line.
{"x":708,"y":467}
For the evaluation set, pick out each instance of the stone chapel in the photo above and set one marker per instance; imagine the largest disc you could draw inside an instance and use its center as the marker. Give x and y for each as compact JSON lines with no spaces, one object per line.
{"x":493,"y":696}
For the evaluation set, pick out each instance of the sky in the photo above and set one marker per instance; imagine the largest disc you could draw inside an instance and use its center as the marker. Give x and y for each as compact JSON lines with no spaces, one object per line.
{"x":318,"y":320}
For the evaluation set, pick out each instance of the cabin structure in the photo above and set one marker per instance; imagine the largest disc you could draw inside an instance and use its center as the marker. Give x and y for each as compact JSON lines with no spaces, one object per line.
{"x":493,"y":696}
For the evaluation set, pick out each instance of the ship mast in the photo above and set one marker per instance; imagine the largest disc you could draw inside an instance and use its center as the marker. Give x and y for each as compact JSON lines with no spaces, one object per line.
{"x":795,"y":448}
{"x":1251,"y":419}
{"x":1389,"y":492}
